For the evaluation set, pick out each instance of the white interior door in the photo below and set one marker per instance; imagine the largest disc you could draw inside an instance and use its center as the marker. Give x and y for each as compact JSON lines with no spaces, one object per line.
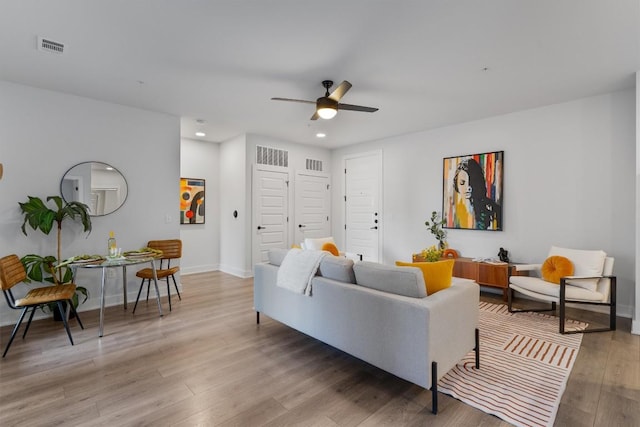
{"x":362,"y":206}
{"x":270,"y":207}
{"x":312,"y":206}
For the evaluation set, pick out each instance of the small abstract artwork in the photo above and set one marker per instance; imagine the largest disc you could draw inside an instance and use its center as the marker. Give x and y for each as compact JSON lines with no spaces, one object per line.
{"x":191,"y":201}
{"x":472,"y":191}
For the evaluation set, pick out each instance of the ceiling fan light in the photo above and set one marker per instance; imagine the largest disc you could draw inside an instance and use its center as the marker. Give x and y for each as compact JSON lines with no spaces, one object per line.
{"x":327,"y":113}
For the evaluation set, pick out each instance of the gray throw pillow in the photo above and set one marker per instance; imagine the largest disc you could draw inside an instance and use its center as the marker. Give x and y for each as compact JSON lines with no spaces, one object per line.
{"x":407,"y":281}
{"x":337,"y":268}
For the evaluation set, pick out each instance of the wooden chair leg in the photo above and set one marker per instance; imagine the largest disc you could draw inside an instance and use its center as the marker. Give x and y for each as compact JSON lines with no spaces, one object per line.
{"x":65,"y":316}
{"x":15,"y":330}
{"x":169,"y":294}
{"x":26,"y":329}
{"x":75,"y":313}
{"x":148,"y":286}
{"x":176,"y":286}
{"x":138,"y":297}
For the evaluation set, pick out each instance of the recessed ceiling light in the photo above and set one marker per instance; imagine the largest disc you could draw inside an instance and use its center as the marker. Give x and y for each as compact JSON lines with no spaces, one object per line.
{"x":201,"y":134}
{"x":321,"y":135}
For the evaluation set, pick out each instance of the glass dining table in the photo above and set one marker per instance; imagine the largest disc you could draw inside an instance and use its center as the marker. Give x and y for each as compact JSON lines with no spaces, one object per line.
{"x":121,"y":262}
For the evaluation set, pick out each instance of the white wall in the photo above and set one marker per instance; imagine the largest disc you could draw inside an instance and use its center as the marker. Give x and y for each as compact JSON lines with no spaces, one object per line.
{"x":568,"y":181}
{"x":635,"y":327}
{"x":44,"y":133}
{"x":201,"y":242}
{"x":234,"y":197}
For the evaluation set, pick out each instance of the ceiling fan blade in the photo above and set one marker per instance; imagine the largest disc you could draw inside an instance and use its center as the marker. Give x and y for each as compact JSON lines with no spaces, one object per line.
{"x":293,"y":100}
{"x":339,"y":91}
{"x":315,"y":116}
{"x":357,"y":108}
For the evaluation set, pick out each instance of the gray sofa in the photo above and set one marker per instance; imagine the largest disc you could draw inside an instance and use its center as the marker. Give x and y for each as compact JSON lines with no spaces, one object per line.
{"x":379,"y":314}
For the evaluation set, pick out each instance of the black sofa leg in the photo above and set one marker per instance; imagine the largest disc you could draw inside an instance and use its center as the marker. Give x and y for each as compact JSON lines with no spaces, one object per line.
{"x":477,"y":348}
{"x":257,"y":317}
{"x":434,"y":387}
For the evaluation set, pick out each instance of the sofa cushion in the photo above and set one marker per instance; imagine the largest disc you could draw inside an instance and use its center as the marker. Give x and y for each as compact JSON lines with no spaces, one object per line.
{"x":585,"y":263}
{"x":276,"y":255}
{"x":407,"y":281}
{"x":337,"y":268}
{"x":555,"y":267}
{"x":437,"y":275}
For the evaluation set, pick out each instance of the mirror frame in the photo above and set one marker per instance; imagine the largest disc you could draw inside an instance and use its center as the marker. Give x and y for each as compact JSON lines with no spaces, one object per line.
{"x":91,"y":163}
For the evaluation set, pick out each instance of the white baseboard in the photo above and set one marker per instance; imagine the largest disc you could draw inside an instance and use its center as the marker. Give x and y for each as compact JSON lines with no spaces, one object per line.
{"x":244,"y":274}
{"x":199,"y":269}
{"x":635,"y":327}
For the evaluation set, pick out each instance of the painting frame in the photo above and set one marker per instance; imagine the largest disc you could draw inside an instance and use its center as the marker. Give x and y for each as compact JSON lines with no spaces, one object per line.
{"x":472,"y":191}
{"x":192,"y":200}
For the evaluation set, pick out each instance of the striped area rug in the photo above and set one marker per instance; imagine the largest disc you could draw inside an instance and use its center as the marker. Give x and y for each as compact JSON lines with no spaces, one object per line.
{"x":524,"y":366}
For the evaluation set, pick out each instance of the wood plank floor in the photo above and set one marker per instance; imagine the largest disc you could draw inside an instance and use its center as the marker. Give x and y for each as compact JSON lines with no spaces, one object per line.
{"x":208,"y":363}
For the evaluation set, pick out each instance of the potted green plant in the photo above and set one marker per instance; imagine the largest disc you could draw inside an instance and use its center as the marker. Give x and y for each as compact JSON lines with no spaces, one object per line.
{"x":435,"y":227}
{"x":434,"y":253}
{"x":39,"y":216}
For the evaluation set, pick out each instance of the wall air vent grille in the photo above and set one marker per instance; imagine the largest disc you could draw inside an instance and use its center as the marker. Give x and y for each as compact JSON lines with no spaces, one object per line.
{"x":47,"y":45}
{"x":272,"y":156}
{"x":314,"y":165}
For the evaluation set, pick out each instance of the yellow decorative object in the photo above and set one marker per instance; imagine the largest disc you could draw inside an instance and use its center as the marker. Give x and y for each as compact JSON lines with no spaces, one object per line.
{"x":432,"y":253}
{"x":555,"y":267}
{"x":330,"y":247}
{"x":437,"y":275}
{"x":294,"y":246}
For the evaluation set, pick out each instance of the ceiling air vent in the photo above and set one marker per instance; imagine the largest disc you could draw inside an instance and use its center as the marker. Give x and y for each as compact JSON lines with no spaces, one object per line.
{"x":272,"y":156}
{"x":47,"y":45}
{"x":314,"y":165}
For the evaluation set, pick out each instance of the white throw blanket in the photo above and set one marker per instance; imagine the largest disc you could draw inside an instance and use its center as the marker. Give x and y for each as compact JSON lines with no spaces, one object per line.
{"x":298,"y":268}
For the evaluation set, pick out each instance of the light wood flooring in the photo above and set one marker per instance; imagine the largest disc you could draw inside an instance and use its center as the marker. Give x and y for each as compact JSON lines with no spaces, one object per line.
{"x":208,"y":363}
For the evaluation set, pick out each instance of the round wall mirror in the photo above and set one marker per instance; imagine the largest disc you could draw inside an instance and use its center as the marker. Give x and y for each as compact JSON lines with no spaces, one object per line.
{"x":98,"y":185}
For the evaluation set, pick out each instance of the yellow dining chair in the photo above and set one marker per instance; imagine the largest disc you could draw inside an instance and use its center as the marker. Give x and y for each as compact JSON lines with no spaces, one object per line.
{"x":171,"y":250}
{"x":12,"y":272}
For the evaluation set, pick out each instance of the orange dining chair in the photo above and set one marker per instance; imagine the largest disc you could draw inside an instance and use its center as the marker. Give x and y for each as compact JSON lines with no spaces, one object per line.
{"x":171,"y":250}
{"x":12,"y":272}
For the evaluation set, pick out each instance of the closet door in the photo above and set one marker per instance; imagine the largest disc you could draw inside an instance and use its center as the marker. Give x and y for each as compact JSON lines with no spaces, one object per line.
{"x":312,"y":206}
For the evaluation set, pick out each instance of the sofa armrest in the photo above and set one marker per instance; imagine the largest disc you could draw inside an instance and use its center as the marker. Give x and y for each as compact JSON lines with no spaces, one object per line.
{"x":528,"y":267}
{"x":587,"y":277}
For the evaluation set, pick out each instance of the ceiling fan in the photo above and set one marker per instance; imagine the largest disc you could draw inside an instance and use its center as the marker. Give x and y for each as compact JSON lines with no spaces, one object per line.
{"x":328,"y":105}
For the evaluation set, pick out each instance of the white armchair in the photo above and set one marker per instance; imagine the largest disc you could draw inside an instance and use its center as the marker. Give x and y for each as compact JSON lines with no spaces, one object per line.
{"x":592,"y":282}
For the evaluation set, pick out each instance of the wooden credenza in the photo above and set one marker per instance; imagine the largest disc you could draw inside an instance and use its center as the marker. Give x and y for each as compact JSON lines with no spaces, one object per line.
{"x":484,"y":273}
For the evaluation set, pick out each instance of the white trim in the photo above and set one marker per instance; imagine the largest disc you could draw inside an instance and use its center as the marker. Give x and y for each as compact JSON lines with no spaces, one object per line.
{"x":379,"y":154}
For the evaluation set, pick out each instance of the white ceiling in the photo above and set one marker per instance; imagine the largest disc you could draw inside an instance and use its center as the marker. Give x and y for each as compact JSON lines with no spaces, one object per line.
{"x":424,"y":63}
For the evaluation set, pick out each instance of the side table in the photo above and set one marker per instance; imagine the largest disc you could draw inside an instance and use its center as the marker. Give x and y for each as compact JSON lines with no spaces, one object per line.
{"x":495,"y":275}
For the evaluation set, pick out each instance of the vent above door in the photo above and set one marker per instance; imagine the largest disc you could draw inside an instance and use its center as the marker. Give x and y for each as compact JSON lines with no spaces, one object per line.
{"x":48,"y":45}
{"x":272,"y":156}
{"x":314,"y":165}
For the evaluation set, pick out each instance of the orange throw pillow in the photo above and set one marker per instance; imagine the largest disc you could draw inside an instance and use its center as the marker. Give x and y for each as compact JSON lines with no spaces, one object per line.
{"x":437,"y":275}
{"x":330,"y":247}
{"x":556,"y":267}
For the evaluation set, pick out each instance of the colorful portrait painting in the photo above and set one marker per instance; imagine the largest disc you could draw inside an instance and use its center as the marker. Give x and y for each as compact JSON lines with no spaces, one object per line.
{"x":191,"y":201}
{"x":472,"y":193}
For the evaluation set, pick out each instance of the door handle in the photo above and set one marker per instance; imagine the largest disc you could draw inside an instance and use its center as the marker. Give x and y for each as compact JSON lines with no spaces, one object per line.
{"x":261,"y":227}
{"x":301,"y":226}
{"x":375,"y":227}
